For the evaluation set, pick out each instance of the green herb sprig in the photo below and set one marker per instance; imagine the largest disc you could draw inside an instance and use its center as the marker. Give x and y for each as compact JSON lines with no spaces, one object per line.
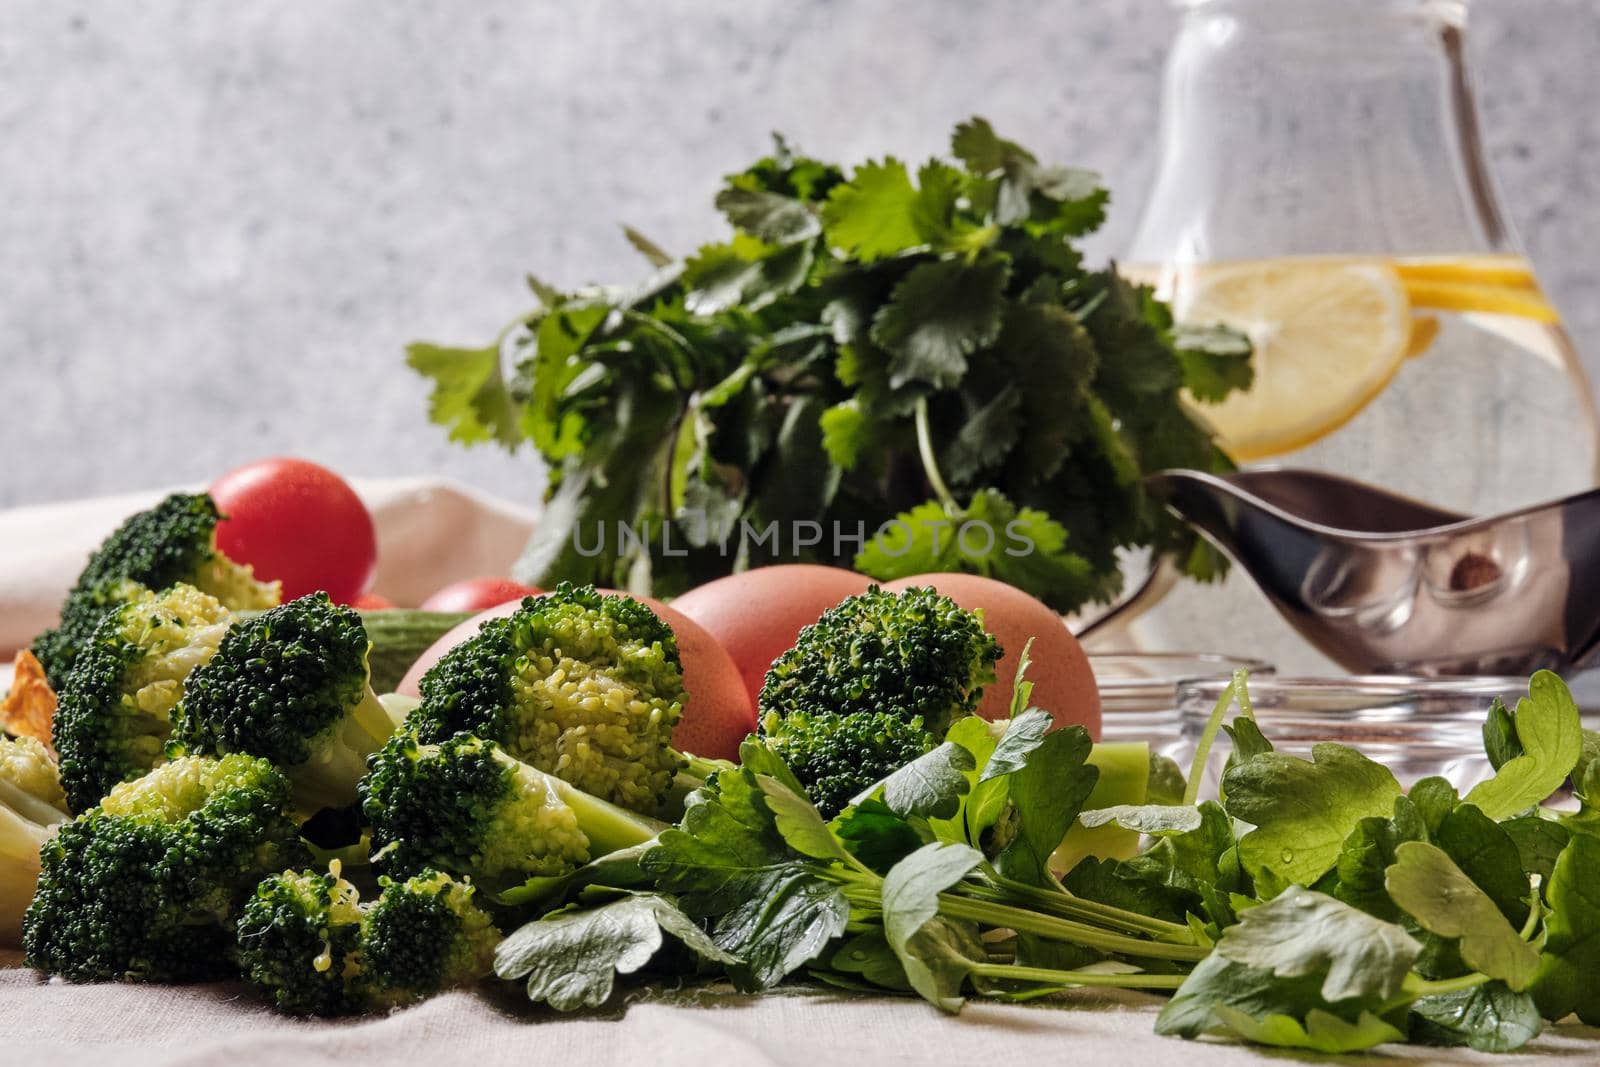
{"x":886,"y":344}
{"x":1317,"y":907}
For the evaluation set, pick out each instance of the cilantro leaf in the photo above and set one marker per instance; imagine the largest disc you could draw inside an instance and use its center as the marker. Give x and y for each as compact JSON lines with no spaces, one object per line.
{"x":769,"y":217}
{"x":1021,"y":546}
{"x":937,"y":316}
{"x":1428,"y":885}
{"x":1550,"y":734}
{"x":469,"y":396}
{"x":847,"y":431}
{"x":653,"y":253}
{"x":875,"y":214}
{"x":744,"y":271}
{"x":571,"y":959}
{"x":1215,"y":361}
{"x":985,"y":437}
{"x":1302,"y":811}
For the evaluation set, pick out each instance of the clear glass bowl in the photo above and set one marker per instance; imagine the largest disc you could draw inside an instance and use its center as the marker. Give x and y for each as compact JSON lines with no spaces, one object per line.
{"x":1139,"y":690}
{"x":1416,"y":727}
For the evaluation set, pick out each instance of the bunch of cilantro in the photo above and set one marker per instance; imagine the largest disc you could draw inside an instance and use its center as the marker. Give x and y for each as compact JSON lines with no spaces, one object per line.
{"x":885,"y":345}
{"x":1317,"y":906}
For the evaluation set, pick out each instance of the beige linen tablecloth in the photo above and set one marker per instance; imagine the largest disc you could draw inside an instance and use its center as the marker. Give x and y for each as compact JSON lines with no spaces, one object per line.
{"x":52,"y":1024}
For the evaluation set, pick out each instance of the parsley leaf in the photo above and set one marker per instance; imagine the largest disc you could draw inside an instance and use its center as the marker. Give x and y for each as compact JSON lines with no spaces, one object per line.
{"x":1301,"y":933}
{"x":1428,"y":885}
{"x":1303,"y":811}
{"x":934,"y":953}
{"x":1550,"y":735}
{"x":1566,"y":979}
{"x":571,"y":959}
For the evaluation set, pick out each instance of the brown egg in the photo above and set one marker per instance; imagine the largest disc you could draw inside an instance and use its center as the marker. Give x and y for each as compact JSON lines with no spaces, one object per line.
{"x":1063,"y":684}
{"x":757,"y":614}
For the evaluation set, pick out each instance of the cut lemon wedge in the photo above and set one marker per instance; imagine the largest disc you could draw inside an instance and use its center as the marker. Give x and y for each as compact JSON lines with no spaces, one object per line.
{"x":1328,"y":335}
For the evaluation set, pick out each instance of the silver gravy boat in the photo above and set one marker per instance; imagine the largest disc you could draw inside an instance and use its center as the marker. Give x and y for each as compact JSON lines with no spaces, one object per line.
{"x":1381,"y":583}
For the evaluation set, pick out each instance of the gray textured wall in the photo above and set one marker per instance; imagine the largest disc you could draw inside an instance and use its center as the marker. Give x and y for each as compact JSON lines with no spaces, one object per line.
{"x":221,"y":222}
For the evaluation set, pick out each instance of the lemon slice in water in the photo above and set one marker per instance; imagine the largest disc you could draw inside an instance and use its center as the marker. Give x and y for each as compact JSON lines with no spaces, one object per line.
{"x":1328,"y":337}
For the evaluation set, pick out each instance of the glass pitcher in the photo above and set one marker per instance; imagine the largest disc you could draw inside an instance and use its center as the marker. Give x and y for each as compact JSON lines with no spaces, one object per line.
{"x":1322,"y":187}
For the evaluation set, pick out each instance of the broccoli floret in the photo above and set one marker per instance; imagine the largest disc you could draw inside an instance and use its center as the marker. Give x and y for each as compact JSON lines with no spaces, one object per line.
{"x":425,"y":935}
{"x":175,"y":541}
{"x":838,"y":756}
{"x":299,"y":942}
{"x":908,"y":654}
{"x":32,"y":809}
{"x":146,"y":887}
{"x":583,"y":686}
{"x":467,"y":807}
{"x":291,"y":685}
{"x":115,"y":713}
{"x":872,"y":685}
{"x":307,"y":942}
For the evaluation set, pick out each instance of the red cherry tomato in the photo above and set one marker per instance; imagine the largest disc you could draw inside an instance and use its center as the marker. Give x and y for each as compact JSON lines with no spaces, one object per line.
{"x":297,"y":523}
{"x":372,"y":602}
{"x":475,"y":594}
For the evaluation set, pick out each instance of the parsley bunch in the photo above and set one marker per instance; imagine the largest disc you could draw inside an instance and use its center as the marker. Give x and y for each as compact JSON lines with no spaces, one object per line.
{"x":925,"y":347}
{"x":1318,"y":906}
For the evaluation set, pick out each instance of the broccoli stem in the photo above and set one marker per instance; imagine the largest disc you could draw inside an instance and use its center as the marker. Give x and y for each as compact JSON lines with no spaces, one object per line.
{"x":33,"y":812}
{"x":329,"y":778}
{"x":608,"y":827}
{"x":1044,"y":975}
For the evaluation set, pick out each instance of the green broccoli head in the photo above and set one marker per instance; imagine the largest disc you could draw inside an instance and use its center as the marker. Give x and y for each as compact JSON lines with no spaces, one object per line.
{"x":306,"y":941}
{"x":299,"y":942}
{"x":115,"y":712}
{"x":173,"y":542}
{"x":467,"y":807}
{"x":32,"y":809}
{"x":424,"y":935}
{"x":291,"y":685}
{"x":839,"y":756}
{"x":910,"y":654}
{"x":146,"y":887}
{"x":583,"y":686}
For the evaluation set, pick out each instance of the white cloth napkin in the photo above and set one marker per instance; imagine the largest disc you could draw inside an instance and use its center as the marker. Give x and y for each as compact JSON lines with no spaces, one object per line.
{"x":430,"y":533}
